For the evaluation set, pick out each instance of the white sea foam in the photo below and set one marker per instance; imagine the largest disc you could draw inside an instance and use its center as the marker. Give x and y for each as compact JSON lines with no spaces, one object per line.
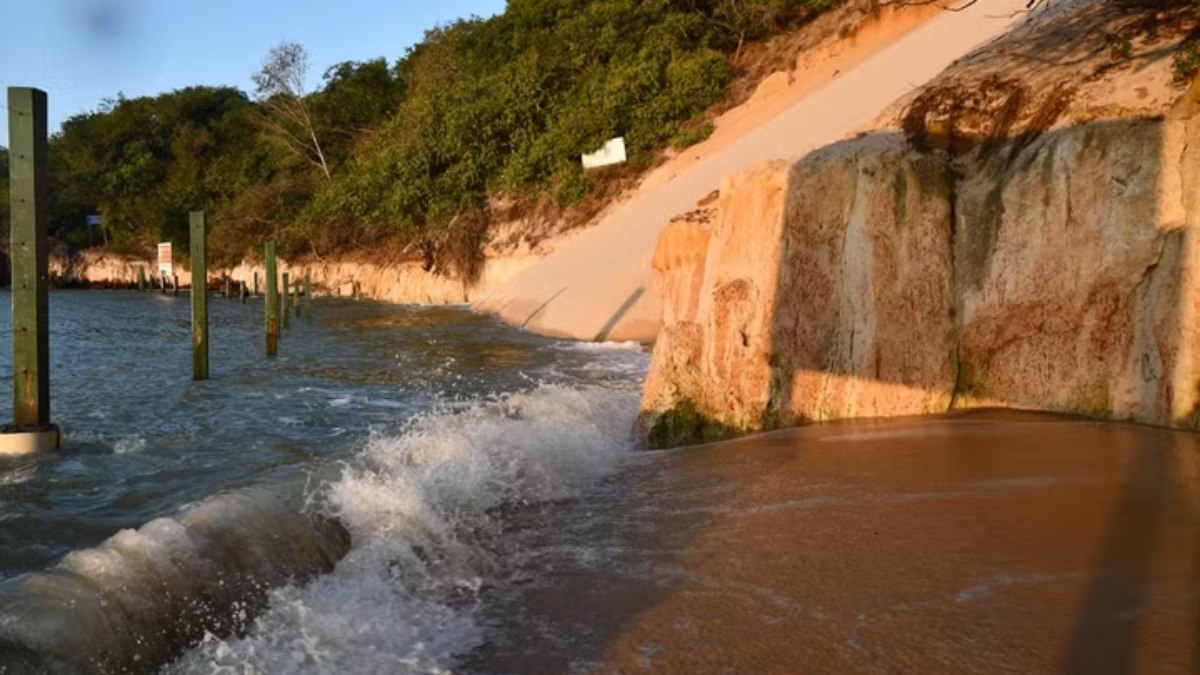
{"x":129,"y":445}
{"x":602,"y":346}
{"x":422,"y":507}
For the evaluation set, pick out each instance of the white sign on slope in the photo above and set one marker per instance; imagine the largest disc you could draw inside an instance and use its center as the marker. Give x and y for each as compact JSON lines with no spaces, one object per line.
{"x":165,"y":264}
{"x":613,"y":152}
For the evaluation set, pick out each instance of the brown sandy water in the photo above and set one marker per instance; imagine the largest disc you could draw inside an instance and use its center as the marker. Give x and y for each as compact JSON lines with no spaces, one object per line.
{"x":992,"y":542}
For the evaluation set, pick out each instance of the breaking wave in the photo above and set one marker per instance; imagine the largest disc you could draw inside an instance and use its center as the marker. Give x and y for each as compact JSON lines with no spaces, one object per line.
{"x":423,"y":509}
{"x":379,"y":570}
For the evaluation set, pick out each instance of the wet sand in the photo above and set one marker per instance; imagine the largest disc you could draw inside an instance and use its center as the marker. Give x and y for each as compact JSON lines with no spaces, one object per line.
{"x":988,"y":542}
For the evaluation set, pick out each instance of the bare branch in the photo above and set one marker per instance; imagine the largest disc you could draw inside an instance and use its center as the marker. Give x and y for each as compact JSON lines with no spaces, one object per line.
{"x":279,"y":87}
{"x":957,"y":5}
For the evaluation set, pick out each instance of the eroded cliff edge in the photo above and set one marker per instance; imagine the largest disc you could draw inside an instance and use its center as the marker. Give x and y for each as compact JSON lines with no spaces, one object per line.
{"x":1025,"y":255}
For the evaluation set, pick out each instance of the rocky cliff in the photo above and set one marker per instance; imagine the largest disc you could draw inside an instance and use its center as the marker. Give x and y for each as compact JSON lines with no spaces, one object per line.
{"x":1053,"y":270}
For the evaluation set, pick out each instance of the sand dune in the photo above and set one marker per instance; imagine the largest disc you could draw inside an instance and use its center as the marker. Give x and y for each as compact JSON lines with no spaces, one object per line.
{"x":597,"y":285}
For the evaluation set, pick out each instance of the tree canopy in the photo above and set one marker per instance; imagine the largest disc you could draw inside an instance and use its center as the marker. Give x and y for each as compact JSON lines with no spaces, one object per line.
{"x":407,"y":151}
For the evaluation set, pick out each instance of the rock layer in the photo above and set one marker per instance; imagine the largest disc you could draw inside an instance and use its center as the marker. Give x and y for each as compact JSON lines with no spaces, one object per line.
{"x":870,"y":279}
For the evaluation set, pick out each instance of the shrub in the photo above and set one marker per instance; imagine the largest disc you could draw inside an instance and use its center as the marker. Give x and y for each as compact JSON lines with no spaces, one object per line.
{"x":687,"y":137}
{"x":411,"y":153}
{"x":1186,"y":62}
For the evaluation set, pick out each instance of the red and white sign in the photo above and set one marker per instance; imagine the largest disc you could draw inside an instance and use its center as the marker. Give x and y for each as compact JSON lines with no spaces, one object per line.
{"x":165,"y":266}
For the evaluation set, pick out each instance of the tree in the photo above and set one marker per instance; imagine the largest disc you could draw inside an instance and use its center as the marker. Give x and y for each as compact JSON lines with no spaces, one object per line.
{"x":143,"y":163}
{"x":746,"y":19}
{"x":356,"y":99}
{"x":280,"y":89}
{"x":409,"y":155}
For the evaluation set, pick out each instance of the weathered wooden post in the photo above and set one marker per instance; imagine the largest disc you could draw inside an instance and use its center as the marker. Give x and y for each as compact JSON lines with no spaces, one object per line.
{"x":141,"y":278}
{"x":242,"y":291}
{"x":199,"y":231}
{"x":308,"y":296}
{"x":228,"y":294}
{"x":256,"y":283}
{"x":175,"y":284}
{"x":31,"y":430}
{"x":287,"y":290}
{"x":296,"y":296}
{"x":272,"y":303}
{"x":162,"y":279}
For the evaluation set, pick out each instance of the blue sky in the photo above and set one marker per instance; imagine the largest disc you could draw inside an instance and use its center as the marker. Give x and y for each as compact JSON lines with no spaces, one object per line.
{"x":82,"y":51}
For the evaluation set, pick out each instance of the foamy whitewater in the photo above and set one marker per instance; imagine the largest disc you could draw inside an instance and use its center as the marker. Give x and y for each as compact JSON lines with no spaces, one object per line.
{"x":422,"y":509}
{"x":345,"y":507}
{"x":378,"y":568}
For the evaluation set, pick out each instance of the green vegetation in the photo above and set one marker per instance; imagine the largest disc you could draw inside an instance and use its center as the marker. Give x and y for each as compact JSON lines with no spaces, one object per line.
{"x":688,"y":137}
{"x":1186,"y":62}
{"x":685,"y":425}
{"x":405,"y":158}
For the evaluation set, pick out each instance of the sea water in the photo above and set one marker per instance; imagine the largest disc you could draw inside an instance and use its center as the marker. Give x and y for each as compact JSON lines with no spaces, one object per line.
{"x":336,"y":509}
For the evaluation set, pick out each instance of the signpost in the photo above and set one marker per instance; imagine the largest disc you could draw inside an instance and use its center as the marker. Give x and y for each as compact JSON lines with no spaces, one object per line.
{"x":93,"y":221}
{"x":166,"y":267}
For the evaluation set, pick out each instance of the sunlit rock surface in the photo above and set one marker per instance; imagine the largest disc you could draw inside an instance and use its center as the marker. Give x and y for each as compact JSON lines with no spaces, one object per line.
{"x":870,"y":279}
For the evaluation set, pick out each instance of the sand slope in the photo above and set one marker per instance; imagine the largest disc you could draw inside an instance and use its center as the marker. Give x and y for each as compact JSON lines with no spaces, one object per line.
{"x":597,"y":286}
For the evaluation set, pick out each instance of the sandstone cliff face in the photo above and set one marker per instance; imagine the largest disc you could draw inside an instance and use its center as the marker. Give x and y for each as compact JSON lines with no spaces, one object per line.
{"x":1076,"y":273}
{"x":1055,"y":272}
{"x":406,"y":282}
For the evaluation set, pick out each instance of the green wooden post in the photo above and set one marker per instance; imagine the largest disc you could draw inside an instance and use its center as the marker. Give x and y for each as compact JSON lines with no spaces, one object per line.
{"x":296,"y":297}
{"x":141,"y":278}
{"x":287,"y":291}
{"x":30,"y":302}
{"x":199,"y":296}
{"x":272,"y":303}
{"x":308,"y":296}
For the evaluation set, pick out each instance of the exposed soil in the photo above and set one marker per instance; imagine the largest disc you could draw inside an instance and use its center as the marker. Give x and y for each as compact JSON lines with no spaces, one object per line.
{"x":1080,"y":62}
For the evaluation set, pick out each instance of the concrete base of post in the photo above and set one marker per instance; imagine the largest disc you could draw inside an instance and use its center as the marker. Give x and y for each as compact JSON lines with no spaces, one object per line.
{"x":15,"y":441}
